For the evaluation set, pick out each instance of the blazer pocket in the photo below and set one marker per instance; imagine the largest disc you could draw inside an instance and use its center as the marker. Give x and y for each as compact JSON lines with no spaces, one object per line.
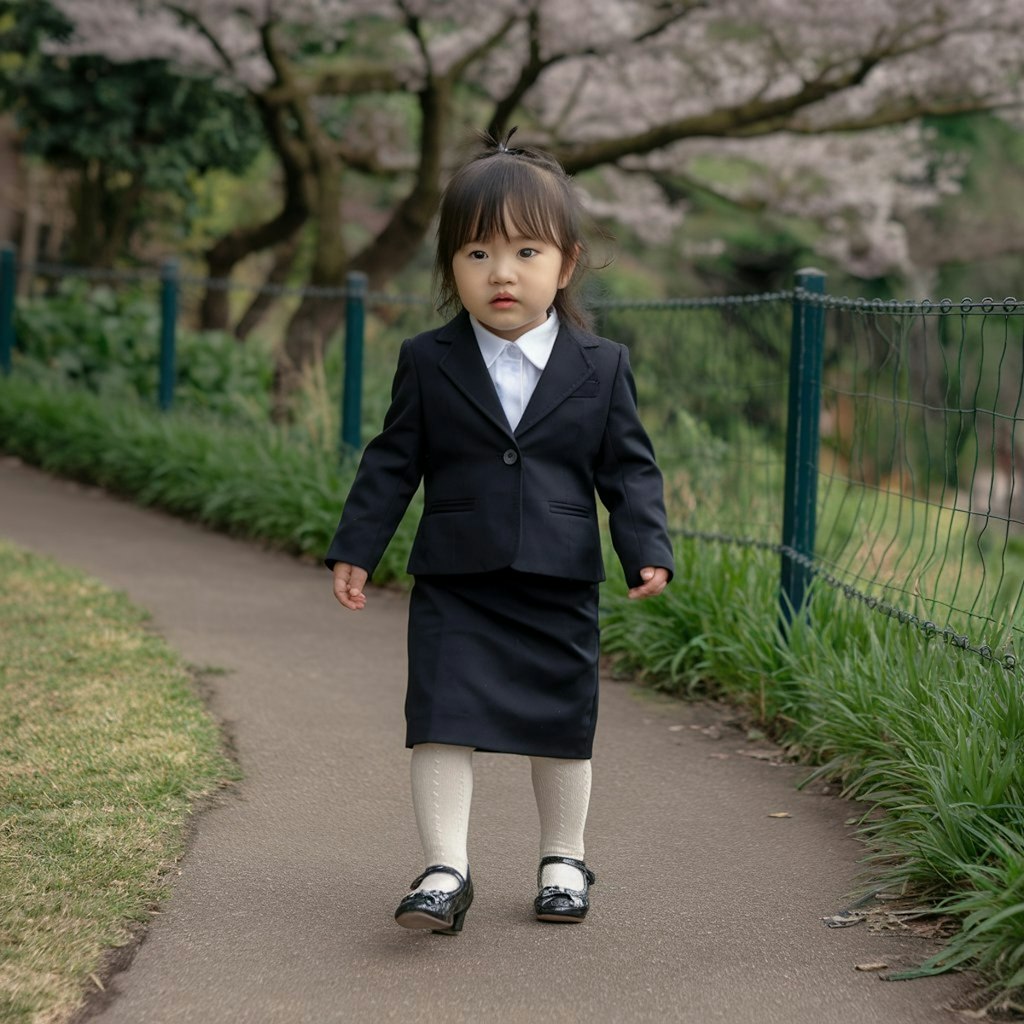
{"x":588,"y":389}
{"x":443,"y":506}
{"x":567,"y":508}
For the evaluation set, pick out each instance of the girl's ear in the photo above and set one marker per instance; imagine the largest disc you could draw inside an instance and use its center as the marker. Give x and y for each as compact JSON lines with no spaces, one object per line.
{"x":568,"y":267}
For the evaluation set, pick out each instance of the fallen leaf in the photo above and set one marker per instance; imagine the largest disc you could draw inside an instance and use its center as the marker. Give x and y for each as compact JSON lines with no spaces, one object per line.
{"x":844,"y":919}
{"x":876,"y":966}
{"x":96,"y":981}
{"x":780,"y":814}
{"x":675,"y":728}
{"x":713,"y":731}
{"x":720,"y":757}
{"x":761,"y":755}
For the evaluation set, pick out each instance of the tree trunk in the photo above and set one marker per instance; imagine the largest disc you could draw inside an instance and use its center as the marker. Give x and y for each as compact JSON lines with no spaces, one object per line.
{"x":31,"y":223}
{"x":284,"y":259}
{"x":317,"y":318}
{"x":118,"y":211}
{"x":85,"y":201}
{"x":300,"y":188}
{"x":225,"y":254}
{"x":396,"y":245}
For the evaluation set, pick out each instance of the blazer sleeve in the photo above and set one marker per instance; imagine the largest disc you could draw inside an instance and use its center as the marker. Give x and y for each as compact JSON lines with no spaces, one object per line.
{"x":389,"y":473}
{"x":630,"y":484}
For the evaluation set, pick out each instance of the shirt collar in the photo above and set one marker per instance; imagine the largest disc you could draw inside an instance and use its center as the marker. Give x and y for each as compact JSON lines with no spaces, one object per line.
{"x":536,"y":345}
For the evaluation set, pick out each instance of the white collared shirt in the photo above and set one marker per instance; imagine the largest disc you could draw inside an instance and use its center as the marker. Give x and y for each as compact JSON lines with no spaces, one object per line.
{"x":515,"y":366}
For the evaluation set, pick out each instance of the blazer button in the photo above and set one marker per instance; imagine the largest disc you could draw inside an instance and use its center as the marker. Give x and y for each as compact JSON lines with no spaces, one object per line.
{"x":511,"y":457}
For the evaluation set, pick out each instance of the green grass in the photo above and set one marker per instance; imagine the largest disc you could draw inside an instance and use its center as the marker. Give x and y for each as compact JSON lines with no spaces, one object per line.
{"x":104,"y":748}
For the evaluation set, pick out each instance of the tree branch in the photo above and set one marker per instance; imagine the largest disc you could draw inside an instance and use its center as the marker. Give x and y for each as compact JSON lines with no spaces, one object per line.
{"x":353,"y":80}
{"x":284,"y":258}
{"x":410,"y":220}
{"x":758,"y":116}
{"x":299,"y":105}
{"x":412,"y":23}
{"x":747,"y":122}
{"x":299,"y":189}
{"x":676,"y":13}
{"x":528,"y":75}
{"x":458,"y":69}
{"x":536,"y":65}
{"x":748,"y":118}
{"x":191,"y":18}
{"x":887,"y":117}
{"x":368,"y":161}
{"x":678,"y":185}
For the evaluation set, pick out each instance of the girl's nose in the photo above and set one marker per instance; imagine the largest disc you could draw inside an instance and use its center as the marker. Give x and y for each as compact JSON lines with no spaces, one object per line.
{"x":502,"y":271}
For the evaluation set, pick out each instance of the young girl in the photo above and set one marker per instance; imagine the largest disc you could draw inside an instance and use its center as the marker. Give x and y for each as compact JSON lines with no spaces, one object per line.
{"x":512,"y":415}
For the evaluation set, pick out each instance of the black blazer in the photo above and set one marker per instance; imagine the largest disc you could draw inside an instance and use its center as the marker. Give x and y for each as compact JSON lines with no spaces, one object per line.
{"x":494,"y":498}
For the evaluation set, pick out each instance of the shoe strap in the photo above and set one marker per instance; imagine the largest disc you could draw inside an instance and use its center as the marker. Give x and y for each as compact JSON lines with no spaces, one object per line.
{"x":435,"y":869}
{"x":573,"y":862}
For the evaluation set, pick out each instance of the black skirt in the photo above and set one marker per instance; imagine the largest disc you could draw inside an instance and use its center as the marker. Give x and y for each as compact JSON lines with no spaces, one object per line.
{"x":503,"y":661}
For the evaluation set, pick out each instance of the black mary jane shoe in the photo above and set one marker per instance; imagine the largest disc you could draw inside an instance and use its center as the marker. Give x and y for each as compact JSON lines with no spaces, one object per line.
{"x":563,"y":906}
{"x":441,"y":912}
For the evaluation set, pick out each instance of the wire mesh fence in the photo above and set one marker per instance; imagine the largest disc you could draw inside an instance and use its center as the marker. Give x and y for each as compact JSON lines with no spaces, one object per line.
{"x":920,"y":496}
{"x":921,"y":503}
{"x":711,"y":381}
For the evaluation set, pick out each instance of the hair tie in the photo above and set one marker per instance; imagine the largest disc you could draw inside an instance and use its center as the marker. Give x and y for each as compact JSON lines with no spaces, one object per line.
{"x":503,"y":144}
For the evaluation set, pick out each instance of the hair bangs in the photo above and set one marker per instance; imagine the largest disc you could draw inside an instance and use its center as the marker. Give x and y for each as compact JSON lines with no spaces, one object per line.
{"x":510,"y":199}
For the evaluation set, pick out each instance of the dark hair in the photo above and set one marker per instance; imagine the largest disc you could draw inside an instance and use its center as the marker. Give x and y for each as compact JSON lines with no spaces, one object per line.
{"x":501,"y":188}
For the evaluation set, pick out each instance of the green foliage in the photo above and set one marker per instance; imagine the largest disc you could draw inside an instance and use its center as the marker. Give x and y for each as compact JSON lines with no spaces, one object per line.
{"x":132,"y":131}
{"x":108,"y":341}
{"x":139,"y":117}
{"x":933,"y":738}
{"x":24,"y":25}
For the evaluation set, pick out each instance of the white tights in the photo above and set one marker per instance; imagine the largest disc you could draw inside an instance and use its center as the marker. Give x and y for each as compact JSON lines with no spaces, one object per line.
{"x":442,"y":791}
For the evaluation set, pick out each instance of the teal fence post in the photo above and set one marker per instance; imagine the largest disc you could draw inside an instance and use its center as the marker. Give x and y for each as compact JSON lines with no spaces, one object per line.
{"x":352,"y":391}
{"x":168,"y":326}
{"x":802,"y":440}
{"x":8,"y":283}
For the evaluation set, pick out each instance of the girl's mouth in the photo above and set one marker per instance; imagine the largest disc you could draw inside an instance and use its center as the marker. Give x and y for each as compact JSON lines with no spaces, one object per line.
{"x":503,"y":301}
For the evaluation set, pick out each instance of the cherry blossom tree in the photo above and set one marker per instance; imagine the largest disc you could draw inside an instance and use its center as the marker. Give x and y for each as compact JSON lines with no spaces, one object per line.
{"x":824,"y":97}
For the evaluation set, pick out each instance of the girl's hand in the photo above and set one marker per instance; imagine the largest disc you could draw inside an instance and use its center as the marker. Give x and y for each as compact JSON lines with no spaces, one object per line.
{"x":655,"y":579}
{"x":349,"y":581}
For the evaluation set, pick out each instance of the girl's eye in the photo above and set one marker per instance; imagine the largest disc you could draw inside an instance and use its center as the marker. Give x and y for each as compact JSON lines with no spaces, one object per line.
{"x":527,"y":252}
{"x":478,"y":254}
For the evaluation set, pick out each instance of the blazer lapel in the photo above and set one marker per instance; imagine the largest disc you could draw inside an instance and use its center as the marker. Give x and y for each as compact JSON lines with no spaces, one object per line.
{"x":463,"y":365}
{"x":568,"y":367}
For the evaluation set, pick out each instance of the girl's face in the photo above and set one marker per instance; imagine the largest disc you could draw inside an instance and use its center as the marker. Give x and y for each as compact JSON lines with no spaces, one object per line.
{"x":510,"y":284}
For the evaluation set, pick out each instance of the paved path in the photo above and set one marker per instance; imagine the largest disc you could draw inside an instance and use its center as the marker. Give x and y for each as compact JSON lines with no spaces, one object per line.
{"x":706,"y":909}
